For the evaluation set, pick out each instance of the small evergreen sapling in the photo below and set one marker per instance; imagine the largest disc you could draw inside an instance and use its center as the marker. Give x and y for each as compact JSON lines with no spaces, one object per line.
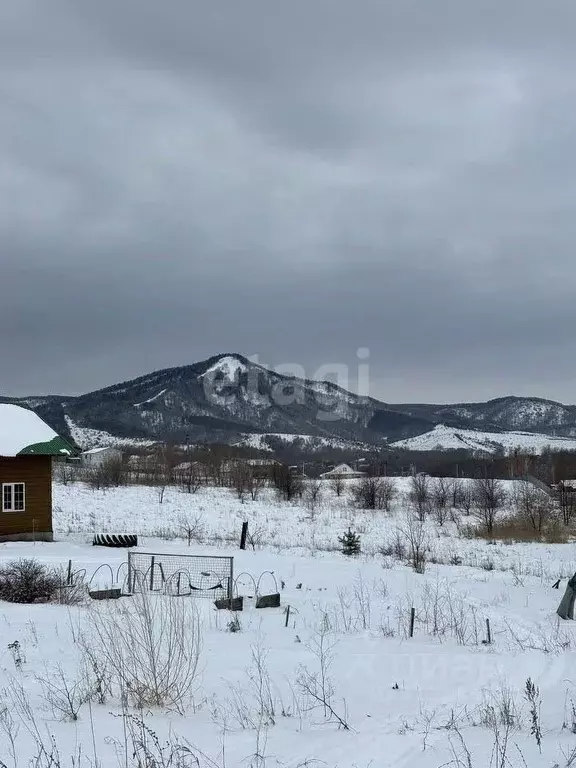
{"x":350,"y":543}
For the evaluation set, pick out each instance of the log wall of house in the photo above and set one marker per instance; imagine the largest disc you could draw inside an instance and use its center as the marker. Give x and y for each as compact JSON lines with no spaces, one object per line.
{"x":36,"y":520}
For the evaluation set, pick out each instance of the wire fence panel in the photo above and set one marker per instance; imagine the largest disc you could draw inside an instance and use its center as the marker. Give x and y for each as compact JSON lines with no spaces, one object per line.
{"x":181,"y":575}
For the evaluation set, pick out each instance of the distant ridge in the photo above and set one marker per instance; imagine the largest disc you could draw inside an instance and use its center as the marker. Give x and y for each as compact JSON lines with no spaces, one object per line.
{"x":227,"y":397}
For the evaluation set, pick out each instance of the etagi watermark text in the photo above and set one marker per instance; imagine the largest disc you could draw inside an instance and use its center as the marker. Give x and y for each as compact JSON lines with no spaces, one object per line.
{"x":232,"y":382}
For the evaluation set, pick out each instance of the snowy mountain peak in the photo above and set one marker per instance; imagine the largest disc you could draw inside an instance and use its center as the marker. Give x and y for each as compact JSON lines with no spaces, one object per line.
{"x":229,"y":366}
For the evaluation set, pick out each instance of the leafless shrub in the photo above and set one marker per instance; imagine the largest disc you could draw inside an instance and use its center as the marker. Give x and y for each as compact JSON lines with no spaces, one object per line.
{"x":353,"y":611}
{"x":28,"y":581}
{"x":152,"y":647}
{"x":441,"y":494}
{"x":441,"y":611}
{"x":64,"y":695}
{"x":518,"y":529}
{"x":388,"y":492}
{"x":96,"y":670}
{"x":192,"y":528}
{"x":75,"y":593}
{"x":395,"y":548}
{"x":142,"y":748}
{"x":374,"y":493}
{"x":317,"y":687}
{"x":256,"y":537}
{"x":9,"y":730}
{"x":532,"y":506}
{"x":110,"y":473}
{"x":413,"y":533}
{"x":420,"y":496}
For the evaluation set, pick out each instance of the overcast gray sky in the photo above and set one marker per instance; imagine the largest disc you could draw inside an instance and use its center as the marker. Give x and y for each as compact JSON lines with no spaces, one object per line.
{"x":293,"y":180}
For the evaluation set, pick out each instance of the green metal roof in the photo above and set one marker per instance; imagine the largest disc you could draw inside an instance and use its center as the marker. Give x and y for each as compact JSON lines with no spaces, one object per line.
{"x":55,"y":447}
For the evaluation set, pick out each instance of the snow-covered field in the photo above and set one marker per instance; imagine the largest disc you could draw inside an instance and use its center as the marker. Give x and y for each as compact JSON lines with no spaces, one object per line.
{"x":418,"y":702}
{"x":444,"y":438}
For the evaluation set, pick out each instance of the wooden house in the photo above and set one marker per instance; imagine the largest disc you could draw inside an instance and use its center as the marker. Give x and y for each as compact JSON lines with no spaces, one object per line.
{"x":27,"y":447}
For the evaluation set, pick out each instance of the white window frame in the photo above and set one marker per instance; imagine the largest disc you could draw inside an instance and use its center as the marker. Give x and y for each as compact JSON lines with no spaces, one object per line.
{"x":12,"y":487}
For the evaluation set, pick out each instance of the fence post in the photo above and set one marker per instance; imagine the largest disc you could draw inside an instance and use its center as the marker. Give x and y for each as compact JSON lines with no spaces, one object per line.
{"x":287,"y":615}
{"x":152,"y":574}
{"x":412,"y":620}
{"x":244,"y":535}
{"x":488,"y":633}
{"x":69,"y":578}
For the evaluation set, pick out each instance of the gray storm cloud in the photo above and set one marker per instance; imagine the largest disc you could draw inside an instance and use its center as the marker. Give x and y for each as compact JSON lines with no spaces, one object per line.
{"x":290,"y":180}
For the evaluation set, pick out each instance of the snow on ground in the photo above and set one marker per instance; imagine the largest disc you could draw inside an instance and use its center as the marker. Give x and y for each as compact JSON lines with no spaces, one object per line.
{"x":261,"y":441}
{"x":151,"y":399}
{"x":397,"y":694}
{"x":86,"y":437}
{"x":449,"y":438}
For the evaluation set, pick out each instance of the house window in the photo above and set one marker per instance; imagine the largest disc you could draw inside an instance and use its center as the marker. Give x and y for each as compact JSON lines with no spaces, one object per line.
{"x":13,"y":497}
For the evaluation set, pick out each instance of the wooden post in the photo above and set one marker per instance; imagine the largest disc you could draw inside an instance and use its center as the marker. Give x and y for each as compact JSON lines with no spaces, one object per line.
{"x":287,"y":616}
{"x":69,"y":578}
{"x":244,"y":535}
{"x":178,"y":584}
{"x":152,"y":574}
{"x":412,"y":620}
{"x":488,"y":633}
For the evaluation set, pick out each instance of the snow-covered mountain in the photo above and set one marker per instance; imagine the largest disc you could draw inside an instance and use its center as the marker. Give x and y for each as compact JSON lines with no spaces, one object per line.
{"x":444,"y":438}
{"x":229,"y":398}
{"x":530,"y":414}
{"x":223,"y":399}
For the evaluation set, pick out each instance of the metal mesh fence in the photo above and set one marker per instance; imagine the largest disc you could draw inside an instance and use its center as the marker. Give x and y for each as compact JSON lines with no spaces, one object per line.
{"x":181,"y":575}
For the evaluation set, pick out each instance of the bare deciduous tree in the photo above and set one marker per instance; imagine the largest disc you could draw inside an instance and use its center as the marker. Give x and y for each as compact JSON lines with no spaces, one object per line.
{"x":313,"y":494}
{"x":532,"y":506}
{"x":566,"y":498}
{"x":110,"y":473}
{"x":64,"y":473}
{"x":189,"y":477}
{"x":288,"y":484}
{"x":465,"y":499}
{"x":338,"y":486}
{"x":192,"y":528}
{"x":241,"y":477}
{"x":441,"y":494}
{"x":388,"y":492}
{"x":489,"y":496}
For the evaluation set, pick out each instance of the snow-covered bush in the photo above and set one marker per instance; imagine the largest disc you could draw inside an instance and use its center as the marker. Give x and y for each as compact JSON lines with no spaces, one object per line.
{"x":28,"y":581}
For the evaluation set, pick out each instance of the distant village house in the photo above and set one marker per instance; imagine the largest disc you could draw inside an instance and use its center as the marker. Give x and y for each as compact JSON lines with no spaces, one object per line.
{"x":96,"y":457}
{"x":342,"y":472}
